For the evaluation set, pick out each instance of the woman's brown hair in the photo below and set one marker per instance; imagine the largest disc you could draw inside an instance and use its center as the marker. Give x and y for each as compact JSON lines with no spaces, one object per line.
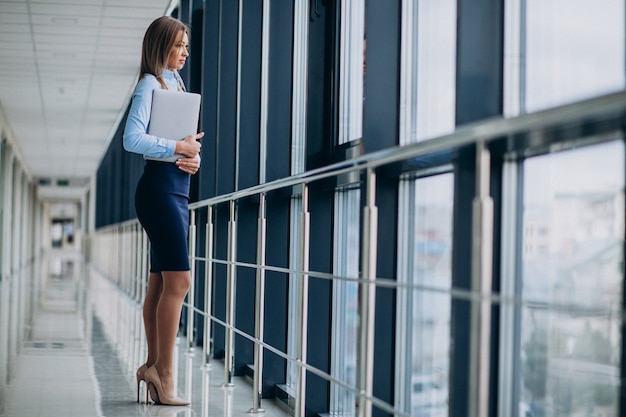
{"x":157,"y":44}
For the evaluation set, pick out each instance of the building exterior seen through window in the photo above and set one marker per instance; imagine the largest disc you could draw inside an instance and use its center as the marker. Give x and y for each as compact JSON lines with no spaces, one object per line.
{"x":573,"y":222}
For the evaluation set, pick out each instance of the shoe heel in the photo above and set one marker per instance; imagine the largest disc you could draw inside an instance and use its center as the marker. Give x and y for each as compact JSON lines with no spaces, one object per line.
{"x":138,"y":388}
{"x":140,"y":375}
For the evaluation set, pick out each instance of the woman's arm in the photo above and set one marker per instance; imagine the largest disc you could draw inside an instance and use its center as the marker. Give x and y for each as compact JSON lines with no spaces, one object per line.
{"x":136,"y":139}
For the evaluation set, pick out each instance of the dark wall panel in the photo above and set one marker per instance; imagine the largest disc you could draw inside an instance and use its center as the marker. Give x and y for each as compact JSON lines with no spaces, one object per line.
{"x":246,"y":281}
{"x":208,"y":119}
{"x":250,"y":106}
{"x":116,"y":180}
{"x":380,"y":131}
{"x":276,"y":289}
{"x":280,"y":90}
{"x":227,"y":99}
{"x":320,"y":298}
{"x":480,"y":40}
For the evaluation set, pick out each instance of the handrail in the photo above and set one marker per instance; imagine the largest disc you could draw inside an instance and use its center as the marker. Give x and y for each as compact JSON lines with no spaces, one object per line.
{"x":567,"y":116}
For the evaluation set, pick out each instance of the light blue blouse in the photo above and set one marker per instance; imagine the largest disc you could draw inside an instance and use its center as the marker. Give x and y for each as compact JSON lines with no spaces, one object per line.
{"x":136,"y":138}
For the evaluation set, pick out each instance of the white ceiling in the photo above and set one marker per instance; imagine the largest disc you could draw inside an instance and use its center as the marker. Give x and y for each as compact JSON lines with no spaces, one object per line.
{"x":67,"y":68}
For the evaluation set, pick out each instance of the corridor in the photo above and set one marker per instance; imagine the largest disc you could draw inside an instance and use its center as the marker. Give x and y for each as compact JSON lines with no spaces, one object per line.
{"x":403,"y":208}
{"x":81,"y":351}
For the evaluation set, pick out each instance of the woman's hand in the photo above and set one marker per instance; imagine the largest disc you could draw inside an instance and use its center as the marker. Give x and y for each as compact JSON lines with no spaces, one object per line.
{"x":188,"y":165}
{"x":190,"y":147}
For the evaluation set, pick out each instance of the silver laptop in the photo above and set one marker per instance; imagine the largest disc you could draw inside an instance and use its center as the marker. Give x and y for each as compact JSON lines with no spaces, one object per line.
{"x":174,"y":115}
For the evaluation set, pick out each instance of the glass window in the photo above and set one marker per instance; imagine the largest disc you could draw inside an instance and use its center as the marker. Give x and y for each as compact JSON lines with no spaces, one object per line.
{"x":345,"y":300}
{"x":294,"y":287}
{"x":425,"y":250}
{"x":428,"y":69}
{"x":561,"y":51}
{"x":351,"y":67}
{"x":572,"y":282}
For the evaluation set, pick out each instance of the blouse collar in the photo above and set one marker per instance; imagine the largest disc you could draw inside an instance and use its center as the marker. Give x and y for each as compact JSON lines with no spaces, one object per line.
{"x":173,"y":79}
{"x":169,"y":75}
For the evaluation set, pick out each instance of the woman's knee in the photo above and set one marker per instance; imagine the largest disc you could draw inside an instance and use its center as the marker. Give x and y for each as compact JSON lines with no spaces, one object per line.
{"x":177,"y":282}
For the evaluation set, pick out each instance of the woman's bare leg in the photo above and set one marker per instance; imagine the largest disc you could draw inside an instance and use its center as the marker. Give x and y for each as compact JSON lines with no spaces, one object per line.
{"x":175,"y":287}
{"x":153,"y":295}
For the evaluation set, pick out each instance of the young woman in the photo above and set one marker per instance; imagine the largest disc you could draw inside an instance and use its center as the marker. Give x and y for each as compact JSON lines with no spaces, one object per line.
{"x":161,"y":202}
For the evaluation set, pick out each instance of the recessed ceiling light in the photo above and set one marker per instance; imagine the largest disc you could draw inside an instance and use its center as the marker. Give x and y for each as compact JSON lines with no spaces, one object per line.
{"x":64,"y":55}
{"x":64,"y":20}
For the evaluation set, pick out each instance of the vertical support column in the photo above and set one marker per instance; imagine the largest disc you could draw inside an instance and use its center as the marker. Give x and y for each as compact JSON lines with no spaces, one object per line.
{"x":303,"y":304}
{"x":208,"y":289}
{"x":229,"y":359}
{"x":367,"y":302}
{"x":479,"y":73}
{"x":191,"y":296}
{"x":482,"y":244}
{"x":259,"y":303}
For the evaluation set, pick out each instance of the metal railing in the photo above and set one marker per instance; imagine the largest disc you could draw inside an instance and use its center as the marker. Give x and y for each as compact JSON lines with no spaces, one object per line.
{"x":120,"y":251}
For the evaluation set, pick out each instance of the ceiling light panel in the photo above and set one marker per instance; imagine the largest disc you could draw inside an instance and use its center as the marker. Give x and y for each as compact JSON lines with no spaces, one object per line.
{"x":136,"y":12}
{"x":42,"y":19}
{"x":81,"y":31}
{"x":72,"y":2}
{"x":55,"y":11}
{"x":127,"y":21}
{"x":151,"y":4}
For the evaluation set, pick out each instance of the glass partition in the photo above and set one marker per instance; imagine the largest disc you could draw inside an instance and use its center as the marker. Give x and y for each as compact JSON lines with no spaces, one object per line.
{"x":572,"y":254}
{"x":562,"y":51}
{"x":427,"y":96}
{"x":425,"y":250}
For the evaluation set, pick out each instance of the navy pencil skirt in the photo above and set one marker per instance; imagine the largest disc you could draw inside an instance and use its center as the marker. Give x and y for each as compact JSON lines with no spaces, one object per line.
{"x":162,"y":205}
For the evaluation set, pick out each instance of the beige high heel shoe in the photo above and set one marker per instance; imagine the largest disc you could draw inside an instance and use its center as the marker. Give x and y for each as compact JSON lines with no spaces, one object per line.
{"x":141,"y":372}
{"x":154,"y":382}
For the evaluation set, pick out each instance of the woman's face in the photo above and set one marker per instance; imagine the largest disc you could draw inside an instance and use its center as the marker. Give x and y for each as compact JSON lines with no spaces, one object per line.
{"x":179,"y":52}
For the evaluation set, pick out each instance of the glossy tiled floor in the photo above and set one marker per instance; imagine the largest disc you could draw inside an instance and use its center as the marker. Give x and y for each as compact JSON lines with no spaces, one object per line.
{"x":84,"y":344}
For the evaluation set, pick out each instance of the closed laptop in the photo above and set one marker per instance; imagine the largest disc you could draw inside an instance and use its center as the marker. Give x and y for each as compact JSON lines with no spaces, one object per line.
{"x":174,"y":115}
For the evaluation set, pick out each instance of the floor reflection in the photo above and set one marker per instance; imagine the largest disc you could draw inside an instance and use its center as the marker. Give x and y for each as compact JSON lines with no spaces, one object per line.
{"x":118,"y":348}
{"x":84,"y":345}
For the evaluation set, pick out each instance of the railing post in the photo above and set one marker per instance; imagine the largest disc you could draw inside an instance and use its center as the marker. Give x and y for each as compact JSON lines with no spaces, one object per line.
{"x":145,"y":246}
{"x":229,"y":360}
{"x":141,"y":269}
{"x":482,"y":245}
{"x":137,"y":260}
{"x":117,"y":271}
{"x":303,"y":304}
{"x":206,"y":384}
{"x":208,"y":289}
{"x":367,"y":302}
{"x":259,"y":303}
{"x":191,"y":296}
